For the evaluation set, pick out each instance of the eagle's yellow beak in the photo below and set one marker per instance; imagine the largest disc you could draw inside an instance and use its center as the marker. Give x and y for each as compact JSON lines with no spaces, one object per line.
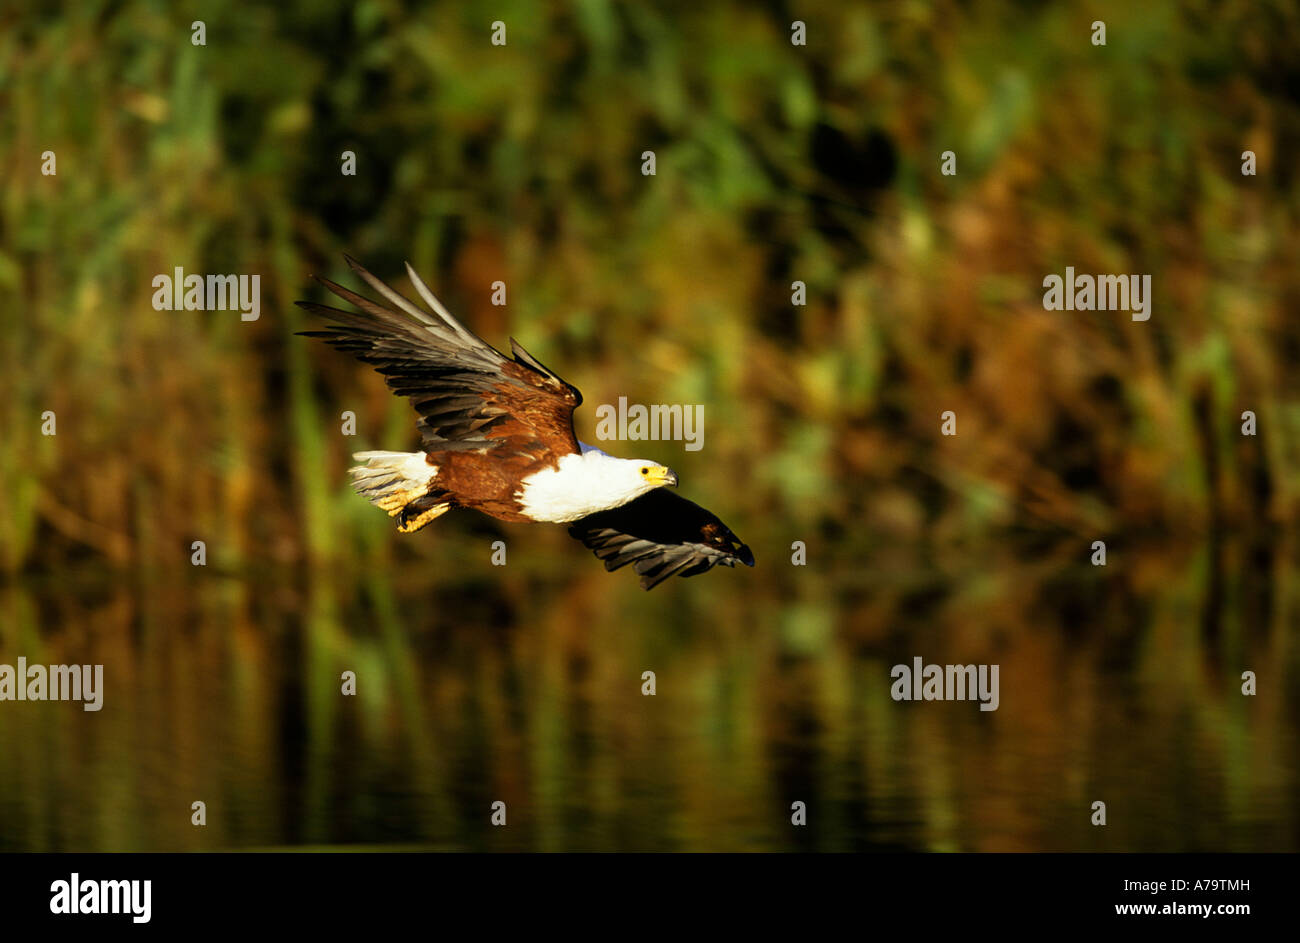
{"x":660,"y":475}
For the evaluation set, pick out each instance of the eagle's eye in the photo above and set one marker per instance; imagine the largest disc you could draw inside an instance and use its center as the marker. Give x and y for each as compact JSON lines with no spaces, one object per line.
{"x":645,"y":471}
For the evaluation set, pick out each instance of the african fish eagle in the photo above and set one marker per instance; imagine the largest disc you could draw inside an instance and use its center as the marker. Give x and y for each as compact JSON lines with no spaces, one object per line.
{"x":497,"y":436}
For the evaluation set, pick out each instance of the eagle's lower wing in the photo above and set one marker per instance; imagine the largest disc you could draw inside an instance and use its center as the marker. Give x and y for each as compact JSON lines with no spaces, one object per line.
{"x":468,"y":394}
{"x":661,"y":535}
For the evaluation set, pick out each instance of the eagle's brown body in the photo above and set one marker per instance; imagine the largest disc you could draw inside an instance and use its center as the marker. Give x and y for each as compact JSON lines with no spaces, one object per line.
{"x":483,"y":484}
{"x":534,"y":432}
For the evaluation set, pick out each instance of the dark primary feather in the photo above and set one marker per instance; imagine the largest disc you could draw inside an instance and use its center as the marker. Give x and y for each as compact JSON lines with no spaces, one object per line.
{"x":661,"y":535}
{"x":468,"y":394}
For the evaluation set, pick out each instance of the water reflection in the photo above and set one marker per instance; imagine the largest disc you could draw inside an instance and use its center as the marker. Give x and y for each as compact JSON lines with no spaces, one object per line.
{"x":523,"y":685}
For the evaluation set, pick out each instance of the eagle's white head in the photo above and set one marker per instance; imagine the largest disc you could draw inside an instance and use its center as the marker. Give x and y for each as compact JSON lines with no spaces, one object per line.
{"x":587,"y":482}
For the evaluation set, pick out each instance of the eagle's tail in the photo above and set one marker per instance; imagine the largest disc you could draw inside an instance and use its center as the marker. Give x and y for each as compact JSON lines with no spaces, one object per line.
{"x":402,"y":484}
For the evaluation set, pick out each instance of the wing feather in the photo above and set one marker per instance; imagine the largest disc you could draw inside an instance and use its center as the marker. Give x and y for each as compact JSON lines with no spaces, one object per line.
{"x":661,"y":535}
{"x":468,"y":394}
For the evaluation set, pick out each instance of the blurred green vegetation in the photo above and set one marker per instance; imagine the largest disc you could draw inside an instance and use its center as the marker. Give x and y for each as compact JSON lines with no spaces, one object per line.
{"x":774,"y":163}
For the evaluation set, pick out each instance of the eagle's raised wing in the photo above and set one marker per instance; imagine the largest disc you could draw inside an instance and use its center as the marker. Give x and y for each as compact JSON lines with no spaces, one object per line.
{"x":469,"y":395}
{"x":662,"y":535}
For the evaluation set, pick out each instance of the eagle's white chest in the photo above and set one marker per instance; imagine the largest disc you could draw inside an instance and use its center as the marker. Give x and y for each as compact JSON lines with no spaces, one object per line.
{"x":583,"y":484}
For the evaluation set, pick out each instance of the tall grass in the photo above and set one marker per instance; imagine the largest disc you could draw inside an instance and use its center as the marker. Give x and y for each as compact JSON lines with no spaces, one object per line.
{"x":775,"y":163}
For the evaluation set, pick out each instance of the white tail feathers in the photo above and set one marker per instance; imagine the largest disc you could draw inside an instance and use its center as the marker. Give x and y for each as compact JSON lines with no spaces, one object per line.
{"x":391,"y":480}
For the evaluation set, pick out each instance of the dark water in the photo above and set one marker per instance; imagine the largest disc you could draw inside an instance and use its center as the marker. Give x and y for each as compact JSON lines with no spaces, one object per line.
{"x":523,"y":684}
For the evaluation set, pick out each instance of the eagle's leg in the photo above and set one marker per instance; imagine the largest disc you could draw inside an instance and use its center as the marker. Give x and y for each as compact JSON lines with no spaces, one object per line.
{"x":400,"y":483}
{"x":421,"y":511}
